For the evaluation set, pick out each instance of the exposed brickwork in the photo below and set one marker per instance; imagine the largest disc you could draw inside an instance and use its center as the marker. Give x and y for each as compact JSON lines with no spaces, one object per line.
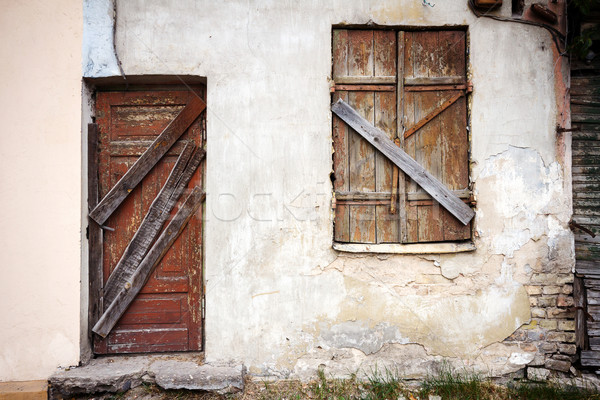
{"x":551,"y":330}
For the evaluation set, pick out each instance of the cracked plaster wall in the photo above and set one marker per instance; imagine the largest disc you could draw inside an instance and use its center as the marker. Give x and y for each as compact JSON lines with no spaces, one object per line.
{"x":279,"y":299}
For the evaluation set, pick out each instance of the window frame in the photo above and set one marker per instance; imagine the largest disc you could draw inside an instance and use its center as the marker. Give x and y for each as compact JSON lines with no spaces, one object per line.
{"x":346,"y":82}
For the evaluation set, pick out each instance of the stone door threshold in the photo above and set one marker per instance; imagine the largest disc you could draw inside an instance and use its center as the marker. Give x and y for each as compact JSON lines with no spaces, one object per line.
{"x":168,"y":371}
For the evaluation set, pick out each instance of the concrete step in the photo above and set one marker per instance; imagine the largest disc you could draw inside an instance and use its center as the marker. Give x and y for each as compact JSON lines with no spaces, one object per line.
{"x":119,"y":374}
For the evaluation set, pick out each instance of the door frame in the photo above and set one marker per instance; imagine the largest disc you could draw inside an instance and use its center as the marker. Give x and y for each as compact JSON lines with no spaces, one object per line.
{"x":89,"y":278}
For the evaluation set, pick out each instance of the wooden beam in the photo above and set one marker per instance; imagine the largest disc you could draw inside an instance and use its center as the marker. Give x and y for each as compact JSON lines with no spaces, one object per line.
{"x":431,"y":88}
{"x":142,"y":273}
{"x":352,"y":196}
{"x":400,"y":103}
{"x":437,"y":80}
{"x":590,"y":358}
{"x":365,"y":80}
{"x":95,"y":233}
{"x":366,"y":88}
{"x":144,"y":164}
{"x":154,"y":220}
{"x":410,"y":167}
{"x":438,"y":110}
{"x":581,"y":338}
{"x":395,"y":173}
{"x":417,"y":196}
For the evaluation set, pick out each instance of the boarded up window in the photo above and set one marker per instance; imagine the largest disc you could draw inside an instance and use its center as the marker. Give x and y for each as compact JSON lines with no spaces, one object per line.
{"x":412,"y":86}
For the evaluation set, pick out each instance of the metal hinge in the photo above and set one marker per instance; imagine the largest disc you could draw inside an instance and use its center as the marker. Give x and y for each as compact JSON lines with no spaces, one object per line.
{"x":202,"y":306}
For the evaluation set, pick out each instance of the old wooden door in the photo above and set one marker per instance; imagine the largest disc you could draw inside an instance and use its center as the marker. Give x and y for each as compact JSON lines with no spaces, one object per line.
{"x":166,"y":315}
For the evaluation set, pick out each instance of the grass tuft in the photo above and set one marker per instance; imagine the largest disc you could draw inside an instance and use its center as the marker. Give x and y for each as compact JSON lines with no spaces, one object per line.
{"x":551,"y":391}
{"x":448,"y":384}
{"x":451,"y":384}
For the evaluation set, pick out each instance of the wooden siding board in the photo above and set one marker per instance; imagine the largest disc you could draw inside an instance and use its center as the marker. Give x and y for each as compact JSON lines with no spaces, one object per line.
{"x":362,"y":169}
{"x":360,"y":53}
{"x":385,"y":119}
{"x":341,"y":173}
{"x":400,"y":138}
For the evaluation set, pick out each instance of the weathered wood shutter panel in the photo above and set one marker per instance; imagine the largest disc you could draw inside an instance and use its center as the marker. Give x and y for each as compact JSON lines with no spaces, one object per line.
{"x":364,"y":67}
{"x":166,"y":314}
{"x":421,"y":78}
{"x":585,"y":115}
{"x":434,"y":61}
{"x":585,"y":119}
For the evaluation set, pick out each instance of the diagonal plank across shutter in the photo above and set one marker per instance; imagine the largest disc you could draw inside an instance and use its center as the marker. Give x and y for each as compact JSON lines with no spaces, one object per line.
{"x":434,"y":72}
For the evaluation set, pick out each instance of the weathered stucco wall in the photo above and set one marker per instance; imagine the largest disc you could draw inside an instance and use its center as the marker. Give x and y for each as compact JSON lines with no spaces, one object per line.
{"x":40,"y":175}
{"x":278,"y":298}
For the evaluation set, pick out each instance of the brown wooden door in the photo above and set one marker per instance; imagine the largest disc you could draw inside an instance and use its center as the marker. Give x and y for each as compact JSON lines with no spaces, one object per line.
{"x":166,"y":314}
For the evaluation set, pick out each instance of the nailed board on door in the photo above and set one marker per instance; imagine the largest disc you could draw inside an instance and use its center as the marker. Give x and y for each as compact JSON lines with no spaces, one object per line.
{"x":166,"y":314}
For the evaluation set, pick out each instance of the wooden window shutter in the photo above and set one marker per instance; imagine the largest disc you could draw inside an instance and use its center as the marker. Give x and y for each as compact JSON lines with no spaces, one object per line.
{"x":408,"y":85}
{"x":365,"y":71}
{"x":435,"y":74}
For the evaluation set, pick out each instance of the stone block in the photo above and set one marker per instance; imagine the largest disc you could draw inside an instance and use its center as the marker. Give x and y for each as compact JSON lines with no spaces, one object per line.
{"x":566,"y":325}
{"x":562,"y":357}
{"x":528,"y":347}
{"x":560,"y":313}
{"x":552,"y":279}
{"x":538,"y":312}
{"x":561,"y":337}
{"x":558,"y":365}
{"x":536,"y":335}
{"x":565,"y":301}
{"x":565,"y":278}
{"x":544,"y":279}
{"x":537,"y":374}
{"x":533,"y":301}
{"x":549,"y":324}
{"x":533,"y":290}
{"x":547,"y":301}
{"x":551,"y":289}
{"x":567,"y":289}
{"x":518,"y":336}
{"x":548,"y":347}
{"x":119,"y":374}
{"x":531,"y":325}
{"x":538,"y":361}
{"x":211,"y":378}
{"x":570,"y":349}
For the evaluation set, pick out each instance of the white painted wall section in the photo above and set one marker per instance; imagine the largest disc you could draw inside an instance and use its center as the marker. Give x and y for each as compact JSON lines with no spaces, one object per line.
{"x":40,"y":170}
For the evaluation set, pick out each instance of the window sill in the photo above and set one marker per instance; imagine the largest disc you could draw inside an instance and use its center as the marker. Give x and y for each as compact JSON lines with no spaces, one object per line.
{"x":413,"y":248}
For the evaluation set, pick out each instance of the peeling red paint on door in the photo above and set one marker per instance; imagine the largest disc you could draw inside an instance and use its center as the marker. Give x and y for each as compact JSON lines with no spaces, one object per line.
{"x":166,"y":315}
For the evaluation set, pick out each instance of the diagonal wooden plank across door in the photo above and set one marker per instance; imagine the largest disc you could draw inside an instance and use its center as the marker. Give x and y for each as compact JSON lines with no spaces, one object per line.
{"x":144,"y":164}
